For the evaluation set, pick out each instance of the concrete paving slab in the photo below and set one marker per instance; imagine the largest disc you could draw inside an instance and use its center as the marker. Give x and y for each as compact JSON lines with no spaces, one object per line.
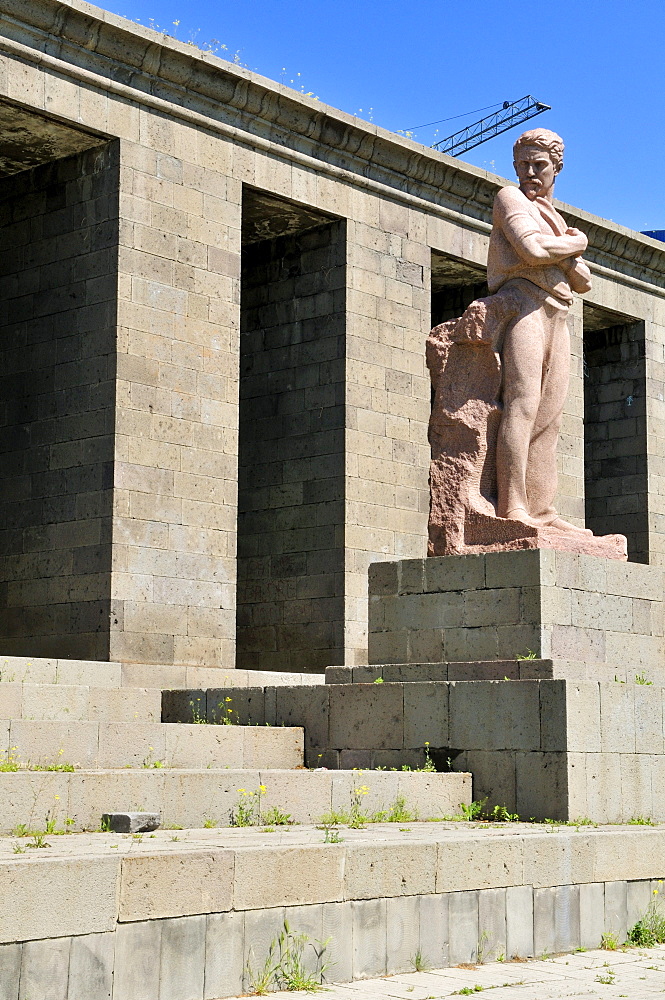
{"x":635,"y":974}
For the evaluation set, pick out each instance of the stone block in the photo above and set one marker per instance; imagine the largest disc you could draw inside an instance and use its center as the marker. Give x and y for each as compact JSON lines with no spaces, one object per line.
{"x":494,"y":715}
{"x":48,"y":742}
{"x":163,"y":885}
{"x":638,"y":896}
{"x":123,"y":705}
{"x":306,"y":795}
{"x":59,"y":897}
{"x":463,"y":927}
{"x":272,"y":747}
{"x":603,"y":787}
{"x":541,"y":783}
{"x":44,"y":968}
{"x":389,"y":870}
{"x":366,"y":716}
{"x":369,"y":938}
{"x":648,"y":708}
{"x":337,"y":929}
{"x":592,"y":914}
{"x":224,"y":962}
{"x":492,"y":939}
{"x":616,"y":909}
{"x":136,"y":968}
{"x":527,"y":568}
{"x":402,"y":933}
{"x":91,"y":967}
{"x":290,"y":876}
{"x":243,"y":706}
{"x":182,"y":958}
{"x":478,"y":863}
{"x":183,"y":705}
{"x":10,"y":970}
{"x":131,"y":822}
{"x":262,"y":928}
{"x":90,"y":673}
{"x":544,"y":935}
{"x":567,"y":918}
{"x":426,"y":714}
{"x":493,"y":776}
{"x":203,"y":746}
{"x":617,"y":718}
{"x":519,"y":921}
{"x":449,"y":573}
{"x":434,"y":929}
{"x":307,"y":707}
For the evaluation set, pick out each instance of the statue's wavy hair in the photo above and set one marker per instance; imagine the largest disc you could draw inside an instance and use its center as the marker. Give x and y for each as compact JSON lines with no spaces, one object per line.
{"x":542,"y":138}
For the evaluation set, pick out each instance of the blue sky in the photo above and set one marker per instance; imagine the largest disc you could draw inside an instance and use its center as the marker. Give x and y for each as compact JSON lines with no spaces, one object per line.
{"x":598,"y":64}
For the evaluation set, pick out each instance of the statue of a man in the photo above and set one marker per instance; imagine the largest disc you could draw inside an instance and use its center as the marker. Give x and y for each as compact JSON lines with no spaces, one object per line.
{"x":534,"y":252}
{"x":500,"y":376}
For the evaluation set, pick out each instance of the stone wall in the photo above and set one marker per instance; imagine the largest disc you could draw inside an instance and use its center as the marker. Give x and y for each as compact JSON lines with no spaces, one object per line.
{"x":291,"y":468}
{"x":58,"y":278}
{"x":615,"y":459}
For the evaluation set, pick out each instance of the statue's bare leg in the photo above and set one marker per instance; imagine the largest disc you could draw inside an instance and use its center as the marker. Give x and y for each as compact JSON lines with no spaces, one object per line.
{"x":541,"y":471}
{"x":522,"y":367}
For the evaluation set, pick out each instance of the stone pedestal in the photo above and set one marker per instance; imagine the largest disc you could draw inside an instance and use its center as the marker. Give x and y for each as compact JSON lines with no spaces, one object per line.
{"x":551,"y":666}
{"x":585,"y":618}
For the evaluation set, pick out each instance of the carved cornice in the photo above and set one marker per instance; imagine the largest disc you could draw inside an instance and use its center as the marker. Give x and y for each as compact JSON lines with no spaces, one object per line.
{"x":149,"y":63}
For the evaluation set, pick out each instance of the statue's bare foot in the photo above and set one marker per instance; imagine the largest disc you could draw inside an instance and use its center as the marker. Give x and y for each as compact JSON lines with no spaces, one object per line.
{"x":520,"y":514}
{"x":562,"y":525}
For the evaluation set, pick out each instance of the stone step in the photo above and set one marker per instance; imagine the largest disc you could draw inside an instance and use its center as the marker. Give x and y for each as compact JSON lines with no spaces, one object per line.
{"x":79,"y":702}
{"x":149,"y":745}
{"x":191,"y":798}
{"x":187,"y":915}
{"x":99,"y":673}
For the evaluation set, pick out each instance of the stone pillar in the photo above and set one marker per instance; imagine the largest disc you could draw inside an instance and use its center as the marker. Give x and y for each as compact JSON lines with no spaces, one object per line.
{"x":387,"y":398}
{"x":176,"y":422}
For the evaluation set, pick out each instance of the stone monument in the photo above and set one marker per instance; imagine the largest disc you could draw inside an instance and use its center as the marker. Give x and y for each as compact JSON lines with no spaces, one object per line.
{"x":500,"y":374}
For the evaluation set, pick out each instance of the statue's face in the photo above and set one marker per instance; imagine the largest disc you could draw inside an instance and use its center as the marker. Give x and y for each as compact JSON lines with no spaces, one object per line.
{"x":535,"y":171}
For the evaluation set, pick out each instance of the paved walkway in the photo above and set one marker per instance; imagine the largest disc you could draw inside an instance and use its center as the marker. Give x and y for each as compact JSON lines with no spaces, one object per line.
{"x":592,"y":975}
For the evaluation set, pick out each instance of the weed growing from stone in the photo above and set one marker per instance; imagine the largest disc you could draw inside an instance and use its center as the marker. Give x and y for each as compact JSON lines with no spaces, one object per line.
{"x":284,"y":967}
{"x":649,"y":929}
{"x":19,"y":849}
{"x":606,"y":978}
{"x":331,"y":835}
{"x":38,"y":840}
{"x":419,"y":963}
{"x":378,"y":680}
{"x":248,"y":811}
{"x":209,"y":824}
{"x":640,"y":821}
{"x":11,"y":761}
{"x":641,"y":679}
{"x":477,"y":812}
{"x":609,"y":941}
{"x":150,"y":762}
{"x":467,"y":991}
{"x":274,"y":816}
{"x":197,"y":718}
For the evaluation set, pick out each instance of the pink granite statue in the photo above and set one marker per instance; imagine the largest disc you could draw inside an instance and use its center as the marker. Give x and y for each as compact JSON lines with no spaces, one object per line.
{"x":501,"y":375}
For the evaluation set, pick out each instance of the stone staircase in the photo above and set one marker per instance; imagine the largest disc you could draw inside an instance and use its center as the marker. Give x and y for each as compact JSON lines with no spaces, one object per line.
{"x":341,"y":854}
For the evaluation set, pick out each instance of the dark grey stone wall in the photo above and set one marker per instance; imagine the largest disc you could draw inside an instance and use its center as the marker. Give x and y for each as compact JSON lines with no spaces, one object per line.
{"x":615,"y":445}
{"x":291,"y":475}
{"x":58,"y":287}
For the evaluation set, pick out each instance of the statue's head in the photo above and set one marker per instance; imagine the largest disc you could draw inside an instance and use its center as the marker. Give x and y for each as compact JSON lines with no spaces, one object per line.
{"x":538,"y":158}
